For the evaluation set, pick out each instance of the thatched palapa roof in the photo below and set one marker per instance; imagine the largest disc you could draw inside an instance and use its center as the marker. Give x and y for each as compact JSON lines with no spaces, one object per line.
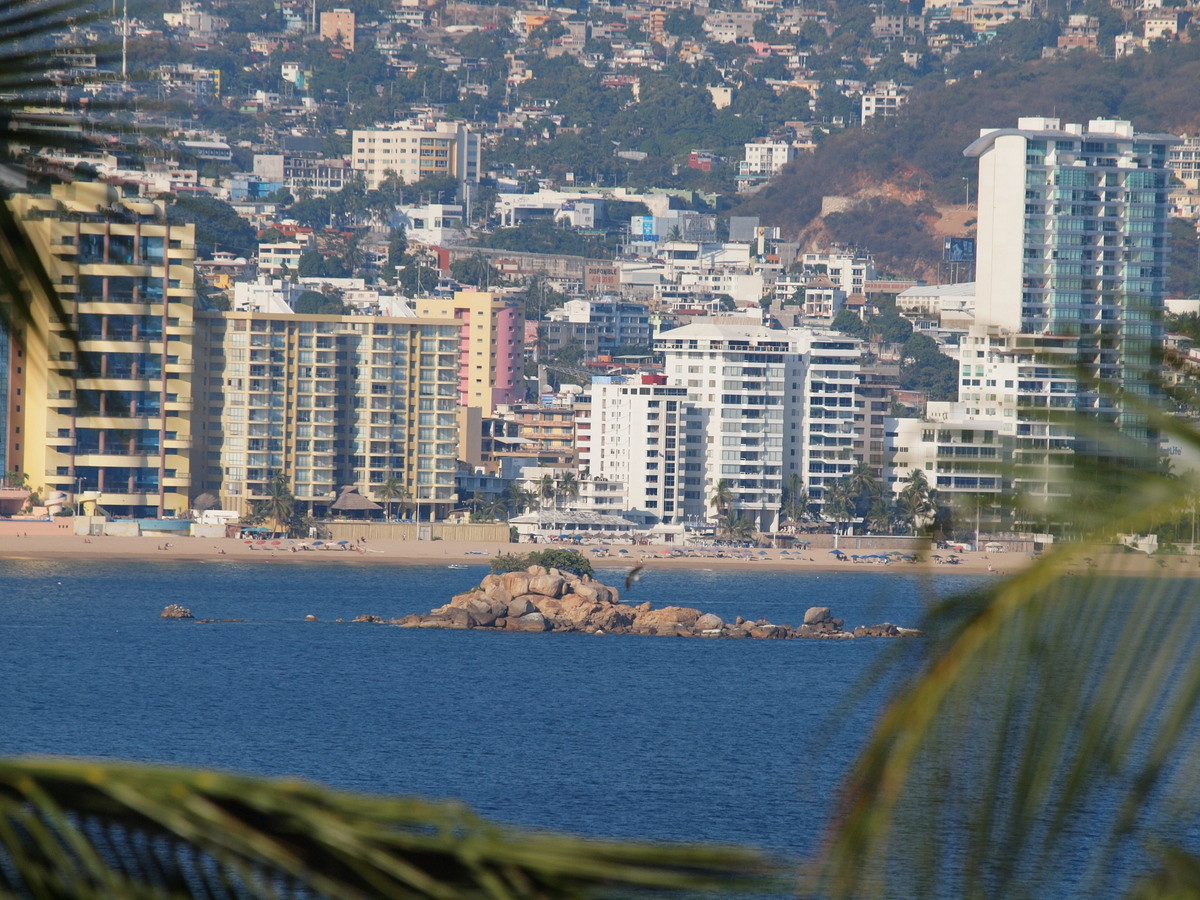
{"x":350,"y":500}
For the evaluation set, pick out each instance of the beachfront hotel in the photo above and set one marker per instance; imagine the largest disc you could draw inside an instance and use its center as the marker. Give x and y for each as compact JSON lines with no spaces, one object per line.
{"x":114,"y":415}
{"x":328,"y":401}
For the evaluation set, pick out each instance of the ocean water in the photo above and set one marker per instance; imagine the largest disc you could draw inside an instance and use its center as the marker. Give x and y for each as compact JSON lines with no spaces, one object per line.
{"x":619,"y":736}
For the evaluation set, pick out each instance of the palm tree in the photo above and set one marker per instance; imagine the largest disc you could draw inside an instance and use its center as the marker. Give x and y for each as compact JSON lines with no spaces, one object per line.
{"x":546,"y":489}
{"x":517,"y":499}
{"x":389,"y":490}
{"x":722,"y":497}
{"x":495,"y":509}
{"x":795,"y":499}
{"x":568,"y":486}
{"x":914,"y":505}
{"x":279,"y":504}
{"x":879,"y":516}
{"x":863,"y":484}
{"x":734,"y":528}
{"x":839,"y":503}
{"x":541,"y":343}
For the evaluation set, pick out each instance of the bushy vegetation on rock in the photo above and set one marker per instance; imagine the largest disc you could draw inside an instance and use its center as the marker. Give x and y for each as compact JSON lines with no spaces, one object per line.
{"x":564,"y":560}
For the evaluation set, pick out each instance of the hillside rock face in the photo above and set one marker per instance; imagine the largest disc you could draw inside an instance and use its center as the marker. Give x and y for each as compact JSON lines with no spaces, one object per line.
{"x":539,"y":600}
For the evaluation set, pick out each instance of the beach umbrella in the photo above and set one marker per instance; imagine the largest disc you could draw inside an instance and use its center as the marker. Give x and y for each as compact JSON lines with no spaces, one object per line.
{"x":762,"y":552}
{"x":276,"y":543}
{"x":622,"y":550}
{"x":318,"y":543}
{"x":837,"y":553}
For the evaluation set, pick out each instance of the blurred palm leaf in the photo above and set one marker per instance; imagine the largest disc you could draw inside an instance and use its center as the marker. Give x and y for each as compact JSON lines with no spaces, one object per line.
{"x":103,"y":830}
{"x":1047,"y":742}
{"x":31,"y":96}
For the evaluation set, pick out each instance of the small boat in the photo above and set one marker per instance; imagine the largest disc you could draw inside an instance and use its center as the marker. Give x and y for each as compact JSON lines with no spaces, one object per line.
{"x":455,"y":566}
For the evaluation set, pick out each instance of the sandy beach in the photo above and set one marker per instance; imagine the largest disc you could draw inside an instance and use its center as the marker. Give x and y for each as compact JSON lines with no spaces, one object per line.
{"x":46,"y":540}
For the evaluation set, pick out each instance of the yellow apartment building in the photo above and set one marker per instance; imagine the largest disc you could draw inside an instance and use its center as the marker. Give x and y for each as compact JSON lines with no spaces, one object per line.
{"x":329,"y":401}
{"x":113,"y":416}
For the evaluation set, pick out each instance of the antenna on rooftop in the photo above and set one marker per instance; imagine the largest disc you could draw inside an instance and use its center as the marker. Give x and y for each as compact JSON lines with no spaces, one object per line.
{"x":124,"y":41}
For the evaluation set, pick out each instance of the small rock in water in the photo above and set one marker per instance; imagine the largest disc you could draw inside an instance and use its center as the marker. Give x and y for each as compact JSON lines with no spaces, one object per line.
{"x":175,"y":611}
{"x":816,"y":615}
{"x":310,"y":618}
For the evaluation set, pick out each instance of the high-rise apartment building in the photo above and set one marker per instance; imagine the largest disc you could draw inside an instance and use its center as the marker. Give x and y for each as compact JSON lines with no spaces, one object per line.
{"x":644,"y":427}
{"x":1070,"y":280}
{"x":1072,"y":245}
{"x":114,"y":414}
{"x":743,"y":405}
{"x":743,"y":382}
{"x":328,"y":401}
{"x":416,"y":150}
{"x":822,"y":436}
{"x":1072,"y":264}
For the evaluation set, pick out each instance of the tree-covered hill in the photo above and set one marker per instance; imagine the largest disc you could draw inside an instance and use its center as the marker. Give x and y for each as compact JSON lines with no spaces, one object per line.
{"x":920,"y":152}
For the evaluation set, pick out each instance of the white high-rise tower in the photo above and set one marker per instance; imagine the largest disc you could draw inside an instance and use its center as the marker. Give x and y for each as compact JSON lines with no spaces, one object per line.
{"x":1072,"y":248}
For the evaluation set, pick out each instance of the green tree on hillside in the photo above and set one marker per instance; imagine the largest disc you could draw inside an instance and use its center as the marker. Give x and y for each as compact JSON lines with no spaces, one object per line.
{"x":316,"y":303}
{"x":923,"y":367}
{"x":1183,"y":276}
{"x":849,"y":322}
{"x":218,"y":226}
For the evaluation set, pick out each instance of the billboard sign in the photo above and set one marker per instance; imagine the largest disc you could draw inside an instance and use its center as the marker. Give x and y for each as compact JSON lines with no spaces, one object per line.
{"x":959,"y":249}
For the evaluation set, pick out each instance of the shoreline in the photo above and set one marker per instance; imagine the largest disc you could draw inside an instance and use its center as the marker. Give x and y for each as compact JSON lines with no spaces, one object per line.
{"x":26,"y":543}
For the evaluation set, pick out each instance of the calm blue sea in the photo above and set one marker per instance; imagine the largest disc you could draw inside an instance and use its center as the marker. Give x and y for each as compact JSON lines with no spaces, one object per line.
{"x":664,"y":738}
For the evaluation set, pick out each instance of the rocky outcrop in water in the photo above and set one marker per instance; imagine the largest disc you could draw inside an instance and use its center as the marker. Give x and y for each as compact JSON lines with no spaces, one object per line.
{"x":175,"y":611}
{"x":539,"y":600}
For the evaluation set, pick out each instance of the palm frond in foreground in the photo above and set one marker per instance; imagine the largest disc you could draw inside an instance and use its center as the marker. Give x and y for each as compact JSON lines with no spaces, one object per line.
{"x":102,"y":830}
{"x":1047,"y":744}
{"x":28,"y":81}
